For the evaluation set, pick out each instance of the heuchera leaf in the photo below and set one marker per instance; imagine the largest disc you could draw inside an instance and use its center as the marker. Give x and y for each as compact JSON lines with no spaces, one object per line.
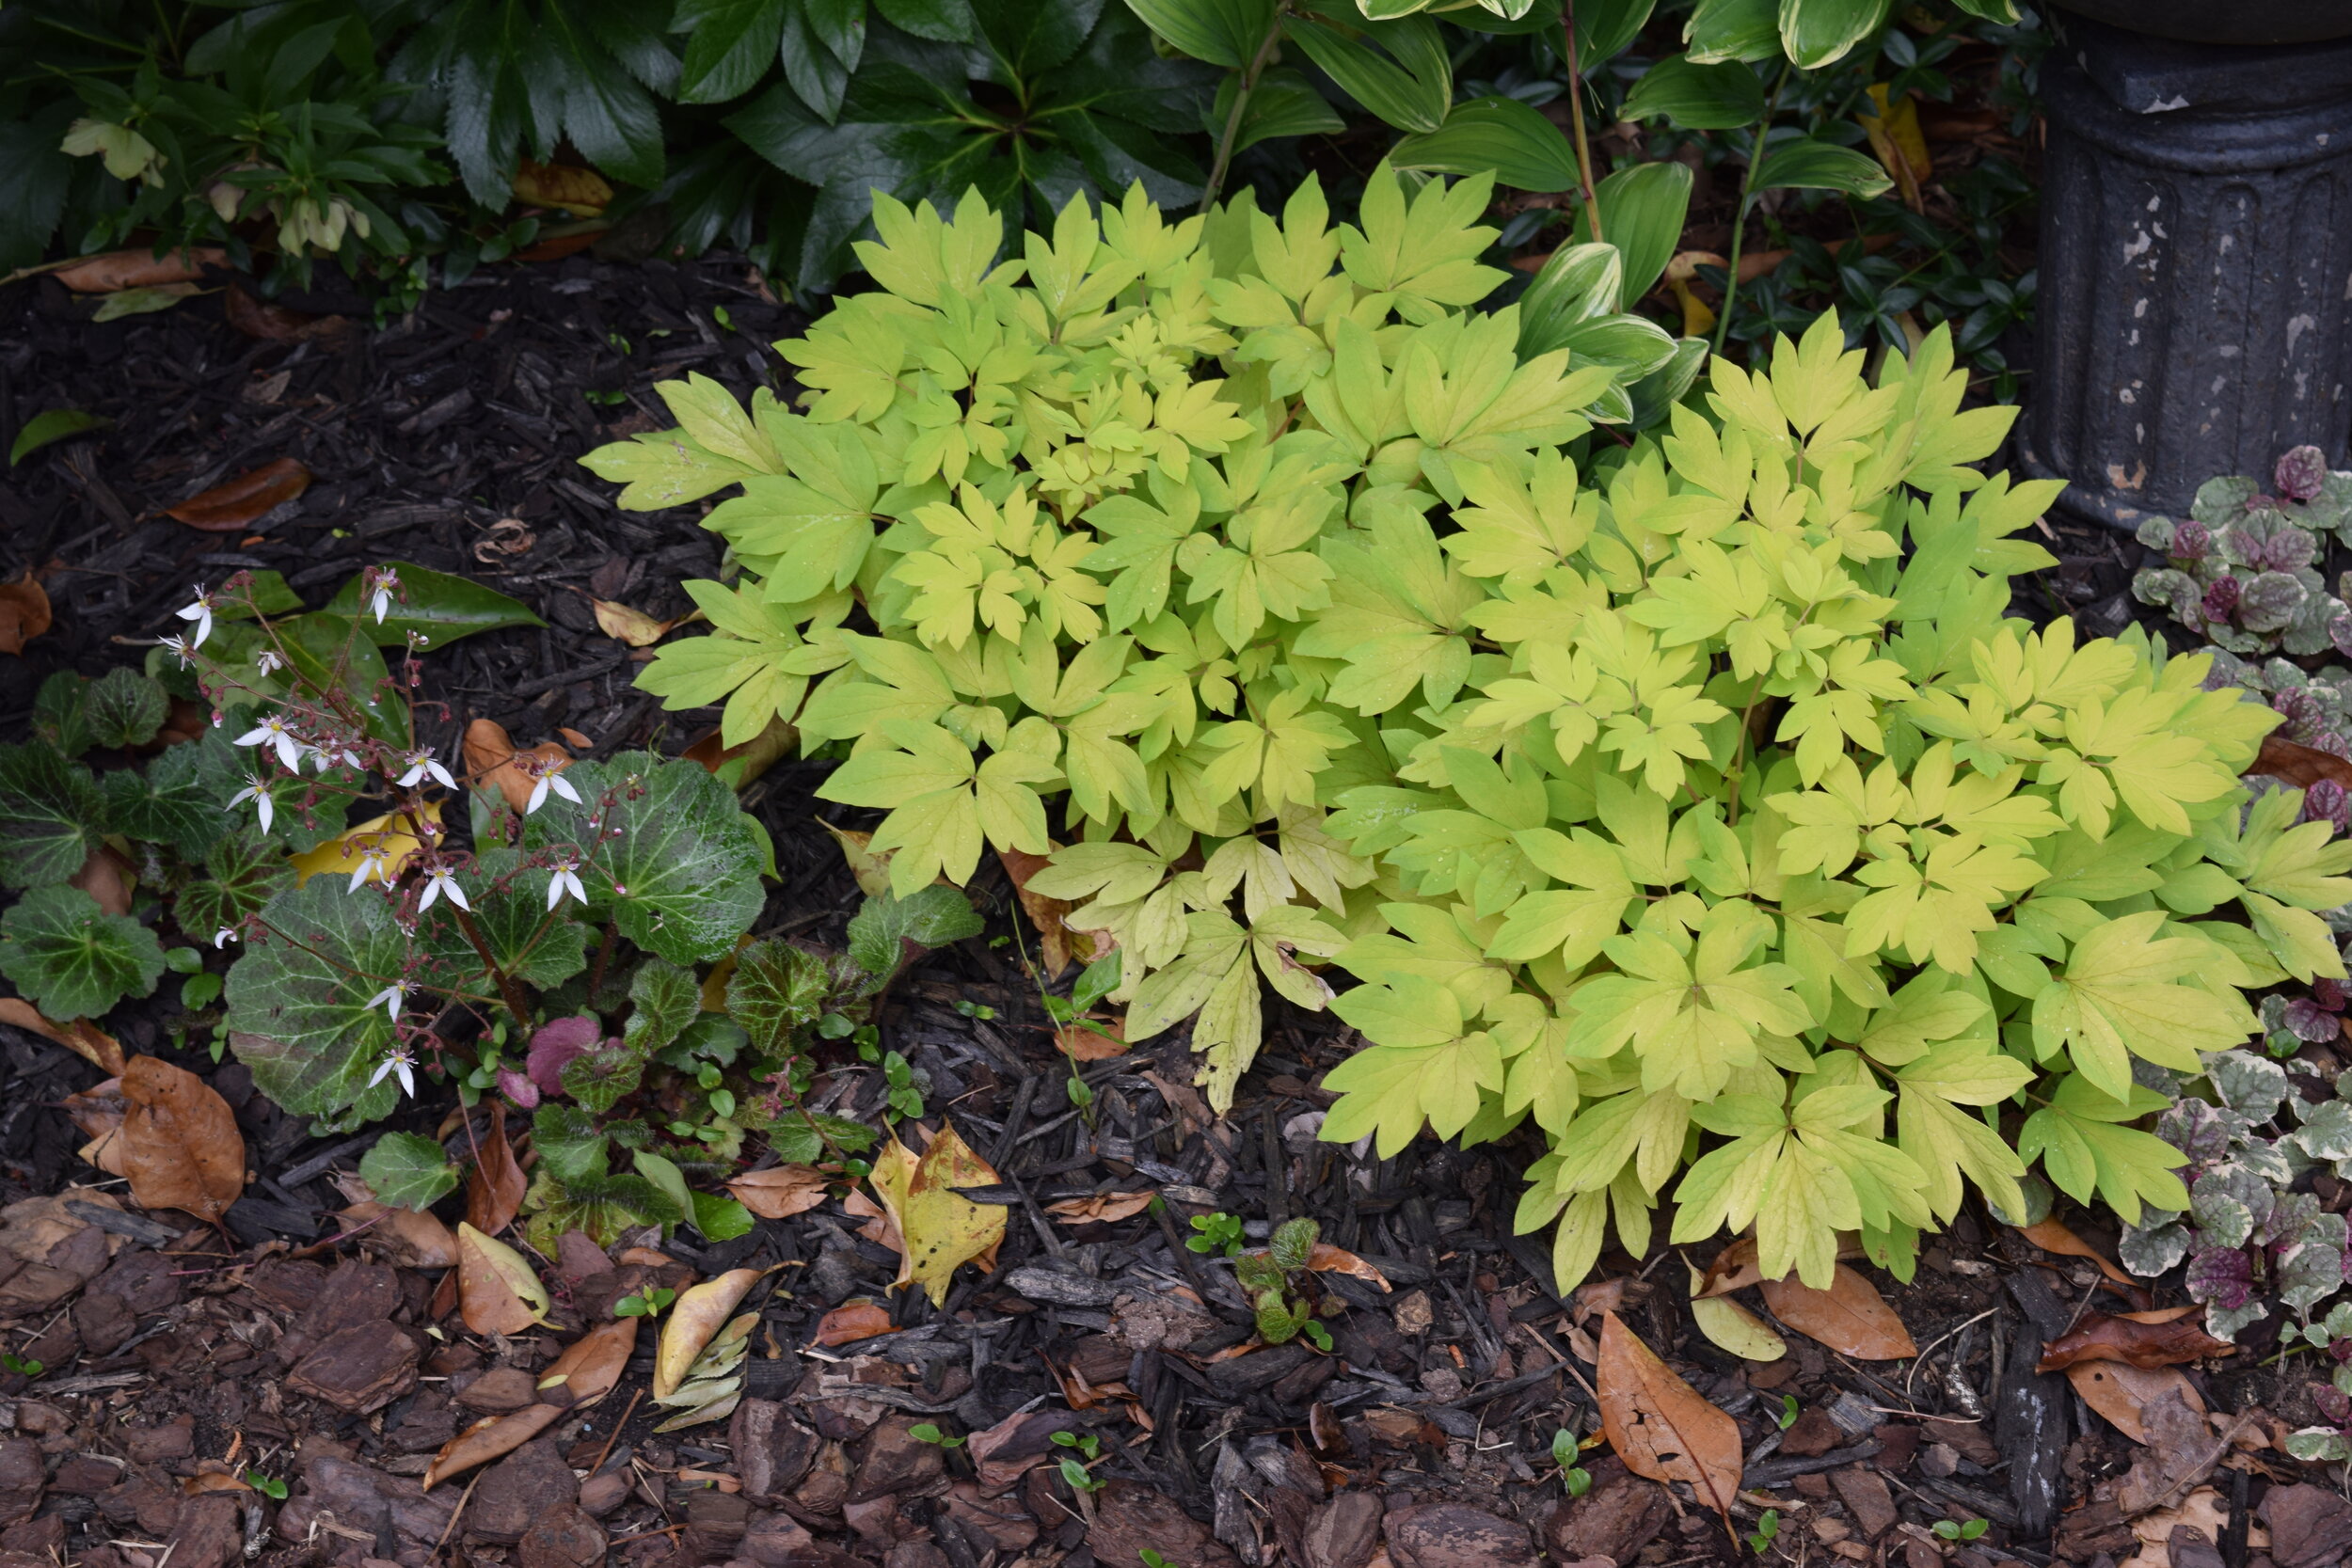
{"x":71,"y":959}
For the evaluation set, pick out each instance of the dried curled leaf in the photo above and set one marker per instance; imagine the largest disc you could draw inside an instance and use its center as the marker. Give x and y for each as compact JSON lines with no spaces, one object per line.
{"x":490,"y":762}
{"x":82,"y":1036}
{"x":591,"y":1367}
{"x":2123,"y":1392}
{"x":236,"y":502}
{"x":492,"y":1437}
{"x":695,"y":1319}
{"x":779,"y":1191}
{"x":1099,"y":1207}
{"x":24,"y":614}
{"x":1659,"y":1425}
{"x":2051,"y":1235}
{"x":713,"y":1384}
{"x":2099,"y":1337}
{"x":853,"y":1320}
{"x":1326,"y":1258}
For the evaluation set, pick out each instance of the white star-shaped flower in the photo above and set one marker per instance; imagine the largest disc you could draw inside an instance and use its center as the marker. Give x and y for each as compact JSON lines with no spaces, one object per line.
{"x":563,"y":878}
{"x":201,"y":613}
{"x":372,"y":862}
{"x":381,"y":602}
{"x":272,"y":731}
{"x":268,"y":661}
{"x":443,"y":880}
{"x":421,"y":765}
{"x":555,"y":782}
{"x":390,"y":999}
{"x":257,"y":792}
{"x":223,"y":936}
{"x":399,"y":1063}
{"x":179,"y":647}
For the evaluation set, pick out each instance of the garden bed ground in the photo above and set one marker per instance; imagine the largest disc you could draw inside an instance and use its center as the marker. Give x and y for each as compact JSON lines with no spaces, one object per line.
{"x":1423,"y":1440}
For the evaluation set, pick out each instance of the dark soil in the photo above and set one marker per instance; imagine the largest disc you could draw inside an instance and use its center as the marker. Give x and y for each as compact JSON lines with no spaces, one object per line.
{"x":277,"y":1349}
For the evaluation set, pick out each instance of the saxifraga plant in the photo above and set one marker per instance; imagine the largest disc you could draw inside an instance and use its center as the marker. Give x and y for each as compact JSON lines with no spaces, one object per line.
{"x":1692,"y":797}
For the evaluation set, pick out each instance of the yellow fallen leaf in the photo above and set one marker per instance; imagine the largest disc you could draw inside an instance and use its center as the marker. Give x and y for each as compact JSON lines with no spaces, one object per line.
{"x":872,"y":871}
{"x":1732,"y":1327}
{"x":695,"y":1319}
{"x":633,"y":626}
{"x":496,"y":1291}
{"x":1895,"y":138}
{"x":343,"y":855}
{"x":581,"y":192}
{"x":938,"y":1227}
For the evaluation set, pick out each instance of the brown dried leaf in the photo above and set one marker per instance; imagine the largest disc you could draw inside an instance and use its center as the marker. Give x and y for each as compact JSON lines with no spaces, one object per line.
{"x":1059,"y":941}
{"x":107,"y":878}
{"x":118,"y":270}
{"x":83,"y":1038}
{"x":1326,"y":1258}
{"x":2300,"y":765}
{"x":695,"y":1318}
{"x":212,"y":1481}
{"x":181,"y":1146}
{"x":592,"y":1366}
{"x":2051,"y":1235}
{"x":879,"y":1229}
{"x":497,"y":1290}
{"x":779,"y":1191}
{"x":235,"y":503}
{"x":755,"y":755}
{"x":1735,"y":1267}
{"x":495,"y":1186}
{"x":491,"y":1437}
{"x":1099,"y":1207}
{"x":2099,"y":1338}
{"x":2122,"y":1392}
{"x":408,"y":1238}
{"x":278,"y":325}
{"x":1081,"y":1043}
{"x":24,"y":614}
{"x":490,"y":764}
{"x":1659,"y":1425}
{"x":853,"y":1320}
{"x":1850,"y":1317}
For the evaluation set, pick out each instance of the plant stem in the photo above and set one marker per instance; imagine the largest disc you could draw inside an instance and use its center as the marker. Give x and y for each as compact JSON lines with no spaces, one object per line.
{"x":509,"y":991}
{"x":1739,"y":214}
{"x":1240,"y":101}
{"x":604,"y":957}
{"x":1576,"y":117}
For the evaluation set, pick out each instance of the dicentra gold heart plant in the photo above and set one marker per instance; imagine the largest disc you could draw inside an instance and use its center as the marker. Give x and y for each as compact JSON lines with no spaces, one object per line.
{"x":1681,"y":787}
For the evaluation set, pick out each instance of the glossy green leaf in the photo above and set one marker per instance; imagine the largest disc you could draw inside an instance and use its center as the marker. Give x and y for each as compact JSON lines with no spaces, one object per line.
{"x":439,"y":607}
{"x":777,"y":990}
{"x":408,"y":1171}
{"x":729,"y":45}
{"x":601,"y":1078}
{"x":1397,"y":69}
{"x":1723,"y":97}
{"x":1807,"y":164}
{"x":1641,"y":213}
{"x":720,"y":1218}
{"x":929,"y":917}
{"x":1224,"y":33}
{"x":1282,"y":104}
{"x":1743,"y":30}
{"x":1502,"y":136}
{"x":1605,"y":28}
{"x":60,"y":716}
{"x":1816,"y":33}
{"x":55,"y":425}
{"x":71,"y":959}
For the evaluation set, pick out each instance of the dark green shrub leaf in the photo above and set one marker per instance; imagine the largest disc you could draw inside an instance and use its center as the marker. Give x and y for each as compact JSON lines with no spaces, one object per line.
{"x":777,"y":990}
{"x":602,"y":1207}
{"x":71,"y":958}
{"x":795,"y":1136}
{"x":53,"y":424}
{"x":408,"y":1171}
{"x":59,"y":716}
{"x":666,"y":998}
{"x":1721,"y":97}
{"x":1809,"y":164}
{"x":1500,"y":135}
{"x":600,"y":1079}
{"x":51,"y":813}
{"x":711,"y":1037}
{"x":570,"y":1147}
{"x":436,"y":605}
{"x":302,"y":1013}
{"x":166,"y":802}
{"x":680,"y":872}
{"x":325,"y":650}
{"x":248,"y":871}
{"x":929,"y":917}
{"x":510,"y":918}
{"x":124,"y":708}
{"x":720,"y":1218}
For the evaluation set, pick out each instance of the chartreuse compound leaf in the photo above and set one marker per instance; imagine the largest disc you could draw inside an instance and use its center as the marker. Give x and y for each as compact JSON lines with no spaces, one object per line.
{"x":1689,"y":793}
{"x":69,"y":958}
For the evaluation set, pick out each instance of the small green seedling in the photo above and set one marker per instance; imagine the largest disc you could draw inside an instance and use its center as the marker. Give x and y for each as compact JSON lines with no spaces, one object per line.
{"x":1217,"y":1233}
{"x":1154,"y":1560}
{"x":1316,"y":1335}
{"x":1075,"y":1474}
{"x":1088,"y":1445}
{"x":268,"y":1486}
{"x":1767,"y":1531}
{"x":1565,"y":1451}
{"x":645,"y":1305}
{"x":1787,"y":1415}
{"x":976,"y":1009}
{"x":22,"y":1366}
{"x":1958,"y":1529}
{"x":923,"y":1432}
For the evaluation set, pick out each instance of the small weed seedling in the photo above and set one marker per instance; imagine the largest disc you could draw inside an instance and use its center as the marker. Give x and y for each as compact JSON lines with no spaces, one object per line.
{"x":1767,"y":1531}
{"x":925,"y":1432}
{"x":1957,"y":1529}
{"x":649,"y":1303}
{"x":268,"y":1486}
{"x":1565,"y":1451}
{"x":1154,"y":1560}
{"x":1787,"y":1415}
{"x":1218,"y":1233}
{"x":22,"y":1366}
{"x":1085,"y":1444}
{"x":1264,"y":1277}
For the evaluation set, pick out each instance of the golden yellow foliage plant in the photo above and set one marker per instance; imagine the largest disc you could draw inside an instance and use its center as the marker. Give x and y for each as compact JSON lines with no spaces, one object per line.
{"x":1689,"y":794}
